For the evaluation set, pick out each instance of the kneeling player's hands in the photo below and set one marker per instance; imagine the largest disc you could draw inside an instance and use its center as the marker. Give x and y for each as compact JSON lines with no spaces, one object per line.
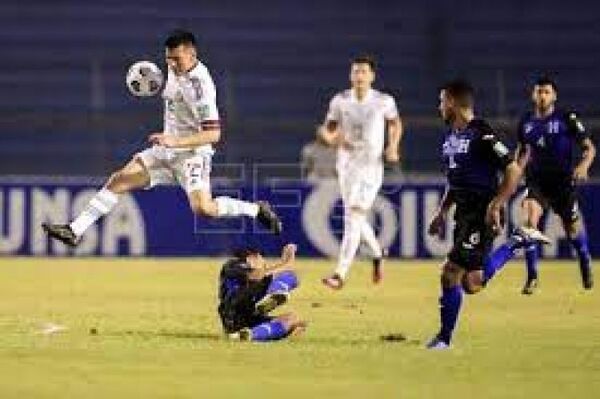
{"x":436,"y":227}
{"x":166,"y":140}
{"x":288,"y":253}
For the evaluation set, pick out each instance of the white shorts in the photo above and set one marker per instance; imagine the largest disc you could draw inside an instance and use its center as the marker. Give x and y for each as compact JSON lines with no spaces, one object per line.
{"x":359,"y":186}
{"x":189,"y":169}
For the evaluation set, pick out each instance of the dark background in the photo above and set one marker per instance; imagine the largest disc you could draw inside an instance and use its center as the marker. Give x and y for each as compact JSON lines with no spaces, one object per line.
{"x":64,"y":108}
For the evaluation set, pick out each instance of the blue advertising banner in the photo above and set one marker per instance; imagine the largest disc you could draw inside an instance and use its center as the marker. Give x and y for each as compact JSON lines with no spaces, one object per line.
{"x":159,"y":223}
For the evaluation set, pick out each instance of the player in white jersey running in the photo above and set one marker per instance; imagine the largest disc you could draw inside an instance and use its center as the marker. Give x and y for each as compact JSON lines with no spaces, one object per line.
{"x":356,"y":124}
{"x":180,"y":154}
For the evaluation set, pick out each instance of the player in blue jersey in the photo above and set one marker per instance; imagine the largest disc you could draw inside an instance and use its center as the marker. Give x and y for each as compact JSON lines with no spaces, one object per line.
{"x":551,"y":136}
{"x":250,"y":288}
{"x":473,"y":158}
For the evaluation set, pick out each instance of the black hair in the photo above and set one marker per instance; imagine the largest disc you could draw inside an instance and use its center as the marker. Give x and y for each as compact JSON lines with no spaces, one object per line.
{"x":461,"y":91}
{"x":546,"y":81}
{"x":365,"y":59}
{"x":178,"y":37}
{"x":243,"y":253}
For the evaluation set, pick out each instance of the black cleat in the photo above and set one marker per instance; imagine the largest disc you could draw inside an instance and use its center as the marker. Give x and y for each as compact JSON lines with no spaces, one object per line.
{"x":61,"y":232}
{"x":270,"y":302}
{"x":530,"y":287}
{"x":268,"y":218}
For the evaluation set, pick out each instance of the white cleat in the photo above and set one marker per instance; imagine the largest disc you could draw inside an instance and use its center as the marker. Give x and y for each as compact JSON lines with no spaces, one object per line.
{"x":438,"y":344}
{"x":530,"y":235}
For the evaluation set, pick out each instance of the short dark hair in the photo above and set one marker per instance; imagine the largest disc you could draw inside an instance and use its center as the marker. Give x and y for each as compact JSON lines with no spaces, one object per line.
{"x":461,"y":91}
{"x":365,"y":59}
{"x":244,"y":253}
{"x":545,"y":80}
{"x":178,"y":37}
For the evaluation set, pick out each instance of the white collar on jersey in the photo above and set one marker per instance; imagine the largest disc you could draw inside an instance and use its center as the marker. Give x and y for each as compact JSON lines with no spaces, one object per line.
{"x":367,"y":97}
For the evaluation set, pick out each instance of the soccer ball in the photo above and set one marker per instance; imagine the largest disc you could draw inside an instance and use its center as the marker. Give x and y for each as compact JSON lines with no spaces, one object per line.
{"x":144,"y":79}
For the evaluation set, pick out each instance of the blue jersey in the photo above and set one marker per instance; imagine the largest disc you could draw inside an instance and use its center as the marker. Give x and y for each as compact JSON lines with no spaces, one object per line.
{"x":552,"y":140}
{"x":473,"y":157}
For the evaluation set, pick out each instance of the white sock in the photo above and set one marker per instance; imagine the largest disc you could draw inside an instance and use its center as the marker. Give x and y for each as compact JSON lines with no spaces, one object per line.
{"x":227,"y":206}
{"x":369,"y":237}
{"x":102,"y":203}
{"x":350,"y":242}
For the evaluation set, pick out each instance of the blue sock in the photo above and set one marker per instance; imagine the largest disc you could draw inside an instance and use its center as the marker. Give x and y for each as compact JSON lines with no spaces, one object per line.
{"x":531,"y":259}
{"x":284,"y":281}
{"x":498,"y":259}
{"x":580,"y":243}
{"x":269,"y":331}
{"x":450,"y":303}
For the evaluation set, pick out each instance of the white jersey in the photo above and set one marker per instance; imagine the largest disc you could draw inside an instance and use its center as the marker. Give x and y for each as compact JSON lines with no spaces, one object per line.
{"x":363,"y":125}
{"x":190,"y":104}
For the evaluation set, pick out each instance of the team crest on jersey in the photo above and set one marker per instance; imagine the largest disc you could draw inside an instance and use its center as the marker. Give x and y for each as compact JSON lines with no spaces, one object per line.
{"x":455,"y":145}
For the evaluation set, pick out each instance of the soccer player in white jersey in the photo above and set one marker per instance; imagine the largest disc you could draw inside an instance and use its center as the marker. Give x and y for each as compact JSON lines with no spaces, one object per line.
{"x":356,"y":124}
{"x":180,"y":154}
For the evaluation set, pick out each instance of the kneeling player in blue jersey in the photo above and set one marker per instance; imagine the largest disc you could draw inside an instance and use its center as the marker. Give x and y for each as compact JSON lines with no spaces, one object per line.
{"x":250,"y":288}
{"x":474,"y":157}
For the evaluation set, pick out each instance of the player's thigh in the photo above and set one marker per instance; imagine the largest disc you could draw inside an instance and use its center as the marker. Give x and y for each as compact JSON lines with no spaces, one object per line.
{"x":572,"y":225}
{"x":361,"y":192}
{"x":532,"y":212}
{"x":193,"y":173}
{"x":132,"y":176}
{"x":472,"y":281}
{"x":202,"y":203}
{"x":566,"y":205}
{"x":473,"y":238}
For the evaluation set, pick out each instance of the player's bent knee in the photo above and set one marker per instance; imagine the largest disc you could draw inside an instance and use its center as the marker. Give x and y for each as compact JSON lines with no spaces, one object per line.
{"x":472,"y":283}
{"x":203,"y":207}
{"x":451,"y":275}
{"x":117,"y":182}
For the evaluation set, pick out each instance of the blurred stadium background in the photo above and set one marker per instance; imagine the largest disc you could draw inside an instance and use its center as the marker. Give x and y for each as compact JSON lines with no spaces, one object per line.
{"x":148,"y":327}
{"x":65,"y":111}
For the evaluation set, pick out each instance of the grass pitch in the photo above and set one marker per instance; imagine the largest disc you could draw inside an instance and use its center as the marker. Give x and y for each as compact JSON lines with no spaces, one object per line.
{"x":147,"y":328}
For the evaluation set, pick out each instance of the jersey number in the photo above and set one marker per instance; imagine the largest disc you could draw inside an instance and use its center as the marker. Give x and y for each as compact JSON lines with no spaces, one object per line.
{"x":451,"y":162}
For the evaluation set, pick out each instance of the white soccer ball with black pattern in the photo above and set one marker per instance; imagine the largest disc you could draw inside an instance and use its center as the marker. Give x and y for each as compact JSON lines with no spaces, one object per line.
{"x":144,"y":79}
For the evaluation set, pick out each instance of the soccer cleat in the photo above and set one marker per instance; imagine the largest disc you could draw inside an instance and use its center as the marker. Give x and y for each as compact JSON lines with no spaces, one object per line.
{"x":530,"y":287}
{"x":335,"y":282}
{"x":268,"y":218}
{"x":438,"y":344}
{"x":528,"y":235}
{"x":271,"y":301}
{"x":245,"y":334}
{"x":62,"y":233}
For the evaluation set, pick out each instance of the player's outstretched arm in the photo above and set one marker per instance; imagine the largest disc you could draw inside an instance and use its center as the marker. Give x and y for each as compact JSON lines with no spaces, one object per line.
{"x":288,"y":256}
